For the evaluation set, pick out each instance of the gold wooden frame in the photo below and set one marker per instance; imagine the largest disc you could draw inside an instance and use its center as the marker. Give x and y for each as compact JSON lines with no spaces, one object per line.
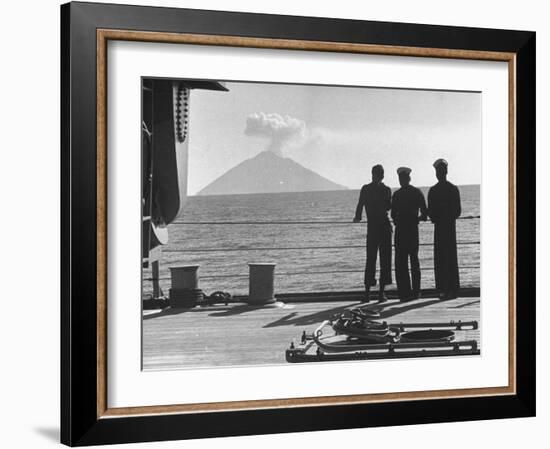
{"x":105,"y":35}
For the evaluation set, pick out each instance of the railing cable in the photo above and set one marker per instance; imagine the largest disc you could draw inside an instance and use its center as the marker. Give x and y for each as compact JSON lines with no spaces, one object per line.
{"x":290,"y":222}
{"x":283,"y":248}
{"x":297,"y":273}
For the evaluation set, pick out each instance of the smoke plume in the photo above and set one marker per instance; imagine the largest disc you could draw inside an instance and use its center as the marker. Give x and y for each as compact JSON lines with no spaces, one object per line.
{"x":280,"y":130}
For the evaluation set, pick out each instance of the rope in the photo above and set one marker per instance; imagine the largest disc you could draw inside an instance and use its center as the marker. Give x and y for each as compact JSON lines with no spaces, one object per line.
{"x":284,"y":248}
{"x":225,"y":223}
{"x":300,"y":273}
{"x":296,"y":273}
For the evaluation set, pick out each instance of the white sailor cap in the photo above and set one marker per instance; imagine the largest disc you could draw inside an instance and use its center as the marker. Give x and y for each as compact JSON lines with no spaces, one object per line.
{"x":405,"y":170}
{"x":440,"y":162}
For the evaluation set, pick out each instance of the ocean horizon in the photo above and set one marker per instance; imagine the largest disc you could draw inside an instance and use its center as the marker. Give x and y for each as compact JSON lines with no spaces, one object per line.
{"x":393,"y":189}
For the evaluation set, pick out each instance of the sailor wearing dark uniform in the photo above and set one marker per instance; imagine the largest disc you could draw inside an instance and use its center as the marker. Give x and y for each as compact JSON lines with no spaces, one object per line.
{"x":408,"y":207}
{"x":444,"y":208}
{"x":376,"y":199}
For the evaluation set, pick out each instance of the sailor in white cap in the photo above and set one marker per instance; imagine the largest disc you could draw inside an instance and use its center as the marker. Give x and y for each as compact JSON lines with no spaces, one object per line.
{"x":440,"y":162}
{"x":408,"y":207}
{"x":444,"y":208}
{"x":404,"y":170}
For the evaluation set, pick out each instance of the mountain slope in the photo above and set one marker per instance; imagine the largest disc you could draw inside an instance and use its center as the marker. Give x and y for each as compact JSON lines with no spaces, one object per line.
{"x":268,"y":173}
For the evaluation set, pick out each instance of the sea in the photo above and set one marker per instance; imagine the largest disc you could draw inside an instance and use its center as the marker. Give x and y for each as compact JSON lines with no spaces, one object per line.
{"x":310,"y":237}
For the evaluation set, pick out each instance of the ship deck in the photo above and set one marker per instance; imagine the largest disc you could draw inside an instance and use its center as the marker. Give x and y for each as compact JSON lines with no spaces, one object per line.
{"x":239,"y":334}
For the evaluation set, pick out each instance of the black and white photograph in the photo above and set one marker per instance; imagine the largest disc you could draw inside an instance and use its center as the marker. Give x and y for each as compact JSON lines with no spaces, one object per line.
{"x":302,"y":223}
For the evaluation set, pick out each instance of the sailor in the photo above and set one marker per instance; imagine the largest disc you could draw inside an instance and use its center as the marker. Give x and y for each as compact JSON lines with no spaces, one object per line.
{"x":408,"y":207}
{"x":376,"y":199}
{"x":443,"y":209}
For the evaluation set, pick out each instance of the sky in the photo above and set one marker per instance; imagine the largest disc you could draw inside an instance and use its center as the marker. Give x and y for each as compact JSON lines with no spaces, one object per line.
{"x":338,"y":132}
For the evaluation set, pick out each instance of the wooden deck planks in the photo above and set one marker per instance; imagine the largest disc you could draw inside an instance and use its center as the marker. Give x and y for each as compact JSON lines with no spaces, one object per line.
{"x":243,"y":335}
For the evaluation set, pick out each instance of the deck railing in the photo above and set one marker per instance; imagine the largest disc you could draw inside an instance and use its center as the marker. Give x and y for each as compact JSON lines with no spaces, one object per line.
{"x":289,"y":222}
{"x":290,"y":248}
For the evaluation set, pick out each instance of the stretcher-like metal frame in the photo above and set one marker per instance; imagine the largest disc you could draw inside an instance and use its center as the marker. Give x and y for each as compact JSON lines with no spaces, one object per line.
{"x":314,"y":348}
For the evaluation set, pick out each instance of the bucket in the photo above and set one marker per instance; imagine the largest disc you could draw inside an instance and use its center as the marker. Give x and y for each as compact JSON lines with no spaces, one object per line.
{"x":185,"y":277}
{"x":261,"y":283}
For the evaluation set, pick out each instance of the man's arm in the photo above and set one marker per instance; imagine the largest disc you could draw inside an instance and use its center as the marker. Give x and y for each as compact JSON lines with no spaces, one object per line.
{"x":457,"y":206}
{"x":431,"y":206}
{"x":360,"y":205}
{"x":423,"y":208}
{"x":387,"y":199}
{"x":394,"y":202}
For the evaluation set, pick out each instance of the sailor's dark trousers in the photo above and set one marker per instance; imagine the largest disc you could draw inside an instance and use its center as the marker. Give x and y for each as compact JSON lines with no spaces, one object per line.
{"x":378,"y":241}
{"x":445,"y":256}
{"x":406,"y":248}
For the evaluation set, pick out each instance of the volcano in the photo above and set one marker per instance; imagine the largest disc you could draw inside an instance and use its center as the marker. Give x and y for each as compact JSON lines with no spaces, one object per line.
{"x":268,"y":173}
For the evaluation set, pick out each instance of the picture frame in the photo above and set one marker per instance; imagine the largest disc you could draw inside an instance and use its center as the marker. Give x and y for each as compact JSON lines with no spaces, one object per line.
{"x":86,"y":29}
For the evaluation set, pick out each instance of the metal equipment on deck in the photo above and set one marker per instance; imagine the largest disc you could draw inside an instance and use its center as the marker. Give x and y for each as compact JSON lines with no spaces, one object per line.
{"x":356,"y":336}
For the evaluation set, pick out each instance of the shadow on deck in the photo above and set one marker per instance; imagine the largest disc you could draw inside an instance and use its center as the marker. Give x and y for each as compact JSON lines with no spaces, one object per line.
{"x":240,"y":334}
